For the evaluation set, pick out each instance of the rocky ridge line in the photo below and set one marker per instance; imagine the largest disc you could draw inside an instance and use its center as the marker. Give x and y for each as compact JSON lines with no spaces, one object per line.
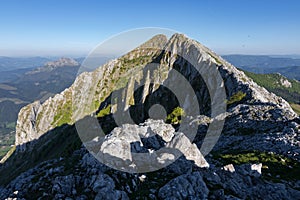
{"x":36,"y":119}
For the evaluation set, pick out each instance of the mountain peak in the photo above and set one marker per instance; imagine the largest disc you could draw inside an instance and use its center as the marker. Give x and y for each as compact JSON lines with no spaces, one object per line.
{"x":51,"y":65}
{"x":157,"y":41}
{"x":198,"y":53}
{"x":62,"y":62}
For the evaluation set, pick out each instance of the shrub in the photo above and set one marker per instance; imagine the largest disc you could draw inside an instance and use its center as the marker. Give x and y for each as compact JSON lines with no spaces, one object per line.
{"x":236,"y":97}
{"x":175,"y":116}
{"x":105,"y":111}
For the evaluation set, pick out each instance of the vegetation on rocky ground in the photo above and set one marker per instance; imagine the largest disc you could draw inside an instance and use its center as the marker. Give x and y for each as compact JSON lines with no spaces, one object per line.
{"x":296,"y":107}
{"x":275,"y":167}
{"x":64,"y":115}
{"x":105,"y":111}
{"x":237,"y":97}
{"x":272,"y":82}
{"x":175,"y":116}
{"x":64,"y":139}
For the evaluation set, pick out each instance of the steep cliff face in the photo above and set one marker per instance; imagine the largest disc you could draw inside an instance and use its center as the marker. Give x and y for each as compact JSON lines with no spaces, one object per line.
{"x":72,"y":104}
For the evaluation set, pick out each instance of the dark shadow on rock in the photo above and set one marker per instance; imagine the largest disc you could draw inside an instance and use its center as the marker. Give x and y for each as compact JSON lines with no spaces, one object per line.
{"x":59,"y":142}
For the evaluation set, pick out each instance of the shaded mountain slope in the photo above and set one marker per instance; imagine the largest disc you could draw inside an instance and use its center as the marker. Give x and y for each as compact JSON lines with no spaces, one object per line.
{"x":37,"y":84}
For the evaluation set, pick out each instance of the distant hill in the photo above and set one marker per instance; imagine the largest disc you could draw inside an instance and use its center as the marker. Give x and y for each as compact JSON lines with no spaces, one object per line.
{"x":35,"y":84}
{"x":281,"y":86}
{"x":289,"y":67}
{"x":12,"y":75}
{"x":12,"y":68}
{"x":12,"y":63}
{"x":54,"y":76}
{"x":292,"y":72}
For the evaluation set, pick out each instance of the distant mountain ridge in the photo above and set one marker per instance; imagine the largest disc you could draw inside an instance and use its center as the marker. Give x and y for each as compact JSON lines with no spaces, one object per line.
{"x":33,"y":84}
{"x":12,"y":68}
{"x":289,"y":67}
{"x":12,"y":75}
{"x":51,"y":65}
{"x":264,"y":61}
{"x":12,"y":63}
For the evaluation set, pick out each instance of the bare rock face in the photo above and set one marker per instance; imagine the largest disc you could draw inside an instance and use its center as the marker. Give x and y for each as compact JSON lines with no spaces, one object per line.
{"x":117,"y":147}
{"x":186,"y":186}
{"x":27,"y":115}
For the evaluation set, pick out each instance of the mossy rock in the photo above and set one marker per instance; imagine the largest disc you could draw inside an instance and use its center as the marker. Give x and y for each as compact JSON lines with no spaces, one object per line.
{"x":273,"y":164}
{"x":237,"y":97}
{"x":175,"y":116}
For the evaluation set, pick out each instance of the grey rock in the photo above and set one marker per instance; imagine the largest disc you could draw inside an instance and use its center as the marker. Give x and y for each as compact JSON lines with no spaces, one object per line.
{"x":103,"y":183}
{"x":64,"y":185}
{"x":184,"y":187}
{"x":81,"y":197}
{"x":256,"y":168}
{"x":112,"y":195}
{"x":116,"y":148}
{"x":104,"y":186}
{"x":229,"y":168}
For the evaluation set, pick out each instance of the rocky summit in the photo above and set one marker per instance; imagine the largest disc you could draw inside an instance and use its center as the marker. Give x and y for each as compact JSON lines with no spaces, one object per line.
{"x":256,"y":156}
{"x":62,"y":62}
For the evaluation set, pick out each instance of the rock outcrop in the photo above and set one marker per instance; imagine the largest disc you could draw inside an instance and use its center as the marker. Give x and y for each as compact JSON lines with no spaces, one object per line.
{"x":86,"y":178}
{"x":137,"y":145}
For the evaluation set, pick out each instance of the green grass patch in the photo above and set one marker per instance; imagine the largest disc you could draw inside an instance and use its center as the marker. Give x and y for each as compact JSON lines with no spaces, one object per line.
{"x":237,"y":97}
{"x":216,"y":58}
{"x":7,"y":151}
{"x":273,"y":164}
{"x":121,"y":83}
{"x":296,"y":107}
{"x":105,"y":111}
{"x":63,"y":111}
{"x":64,"y":114}
{"x":175,"y":116}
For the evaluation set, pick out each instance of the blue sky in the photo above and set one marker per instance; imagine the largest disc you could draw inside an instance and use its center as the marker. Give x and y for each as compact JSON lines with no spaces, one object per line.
{"x":65,"y":27}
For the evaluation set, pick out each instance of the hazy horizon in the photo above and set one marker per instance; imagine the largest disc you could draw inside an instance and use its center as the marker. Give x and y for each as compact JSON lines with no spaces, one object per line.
{"x":294,"y":56}
{"x":55,"y":28}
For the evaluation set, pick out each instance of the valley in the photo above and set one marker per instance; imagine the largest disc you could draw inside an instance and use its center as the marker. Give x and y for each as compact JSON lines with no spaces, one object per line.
{"x":38,"y":83}
{"x":288,"y":66}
